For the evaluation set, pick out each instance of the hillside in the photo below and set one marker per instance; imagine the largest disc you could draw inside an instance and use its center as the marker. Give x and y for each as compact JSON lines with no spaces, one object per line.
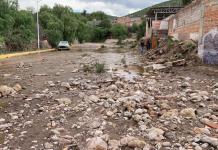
{"x":170,"y":3}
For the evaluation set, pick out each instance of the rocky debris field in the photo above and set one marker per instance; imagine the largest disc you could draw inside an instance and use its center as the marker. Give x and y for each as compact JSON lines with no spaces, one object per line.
{"x":48,"y":102}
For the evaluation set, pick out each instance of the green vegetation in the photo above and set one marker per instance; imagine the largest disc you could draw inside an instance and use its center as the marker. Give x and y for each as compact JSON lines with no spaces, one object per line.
{"x":119,"y":31}
{"x":141,"y":30}
{"x":18,"y":27}
{"x":169,"y":3}
{"x":99,"y":68}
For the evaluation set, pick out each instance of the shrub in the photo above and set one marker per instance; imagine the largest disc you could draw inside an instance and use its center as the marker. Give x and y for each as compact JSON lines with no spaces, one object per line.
{"x":119,"y":31}
{"x":99,"y":68}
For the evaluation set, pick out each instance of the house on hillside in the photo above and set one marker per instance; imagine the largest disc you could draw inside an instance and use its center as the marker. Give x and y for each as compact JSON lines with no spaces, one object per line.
{"x":128,"y":21}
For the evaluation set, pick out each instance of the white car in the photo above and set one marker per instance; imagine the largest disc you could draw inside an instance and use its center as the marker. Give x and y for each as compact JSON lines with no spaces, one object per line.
{"x":63,"y":45}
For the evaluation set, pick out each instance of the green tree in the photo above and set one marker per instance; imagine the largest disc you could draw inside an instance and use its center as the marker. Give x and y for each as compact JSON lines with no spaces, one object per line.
{"x":105,"y":23}
{"x":141,"y":30}
{"x":21,"y":34}
{"x":98,"y":16}
{"x":119,"y":31}
{"x":134,"y":28}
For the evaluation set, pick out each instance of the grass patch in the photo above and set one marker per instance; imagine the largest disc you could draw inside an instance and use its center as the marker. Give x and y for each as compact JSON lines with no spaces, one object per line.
{"x":2,"y":138}
{"x":3,"y":105}
{"x":99,"y":68}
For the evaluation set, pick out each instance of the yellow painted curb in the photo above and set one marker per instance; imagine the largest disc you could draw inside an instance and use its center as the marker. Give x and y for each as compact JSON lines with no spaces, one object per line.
{"x":4,"y":56}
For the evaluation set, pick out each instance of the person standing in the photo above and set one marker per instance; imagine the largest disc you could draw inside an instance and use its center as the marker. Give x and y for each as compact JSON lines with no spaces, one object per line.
{"x":148,"y":44}
{"x":142,"y":46}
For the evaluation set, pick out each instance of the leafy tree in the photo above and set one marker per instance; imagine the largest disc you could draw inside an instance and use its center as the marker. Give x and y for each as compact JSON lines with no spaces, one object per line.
{"x":21,"y":34}
{"x":100,"y":34}
{"x":105,"y":23}
{"x":134,"y":28}
{"x":119,"y":31}
{"x":16,"y":27}
{"x":141,"y":30}
{"x":98,"y":16}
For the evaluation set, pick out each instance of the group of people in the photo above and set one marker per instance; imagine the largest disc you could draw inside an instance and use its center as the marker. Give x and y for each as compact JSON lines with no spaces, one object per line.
{"x":145,"y":44}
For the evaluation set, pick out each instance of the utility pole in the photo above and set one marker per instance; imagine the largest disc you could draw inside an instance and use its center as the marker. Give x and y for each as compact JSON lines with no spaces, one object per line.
{"x":37,"y":18}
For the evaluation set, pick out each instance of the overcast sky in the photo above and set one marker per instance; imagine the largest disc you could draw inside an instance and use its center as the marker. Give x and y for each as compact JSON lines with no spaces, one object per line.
{"x":111,"y":7}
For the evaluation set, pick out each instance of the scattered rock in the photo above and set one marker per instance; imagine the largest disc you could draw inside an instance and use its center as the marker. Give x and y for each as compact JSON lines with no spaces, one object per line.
{"x":65,"y":101}
{"x":188,"y":113}
{"x":132,"y":142}
{"x":210,"y":140}
{"x":113,"y":145}
{"x":66,"y":85}
{"x":48,"y":145}
{"x":7,"y":91}
{"x":155,"y":134}
{"x":96,"y":144}
{"x":94,"y":99}
{"x":17,"y":87}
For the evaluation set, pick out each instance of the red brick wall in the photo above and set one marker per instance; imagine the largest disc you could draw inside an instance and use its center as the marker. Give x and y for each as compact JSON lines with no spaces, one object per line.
{"x":186,"y":24}
{"x":210,"y":15}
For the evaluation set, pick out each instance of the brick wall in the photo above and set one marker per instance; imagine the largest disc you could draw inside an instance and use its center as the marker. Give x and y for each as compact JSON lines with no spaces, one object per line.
{"x":186,"y":23}
{"x":194,"y":20}
{"x":210,"y":15}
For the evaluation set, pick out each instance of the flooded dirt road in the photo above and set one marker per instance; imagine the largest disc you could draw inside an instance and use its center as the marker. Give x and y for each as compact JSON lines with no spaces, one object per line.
{"x":51,"y":102}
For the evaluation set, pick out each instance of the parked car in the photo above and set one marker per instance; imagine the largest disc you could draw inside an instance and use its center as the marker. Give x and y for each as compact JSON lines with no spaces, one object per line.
{"x":63,"y":45}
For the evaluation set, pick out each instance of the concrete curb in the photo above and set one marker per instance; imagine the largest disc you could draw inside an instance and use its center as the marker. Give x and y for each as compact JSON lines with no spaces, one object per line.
{"x":4,"y":56}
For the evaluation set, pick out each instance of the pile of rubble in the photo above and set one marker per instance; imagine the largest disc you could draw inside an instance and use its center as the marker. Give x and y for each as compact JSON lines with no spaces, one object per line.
{"x":170,"y":50}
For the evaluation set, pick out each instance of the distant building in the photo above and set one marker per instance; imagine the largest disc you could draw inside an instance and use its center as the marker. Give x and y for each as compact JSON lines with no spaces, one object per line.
{"x":127,"y":21}
{"x":157,"y":23}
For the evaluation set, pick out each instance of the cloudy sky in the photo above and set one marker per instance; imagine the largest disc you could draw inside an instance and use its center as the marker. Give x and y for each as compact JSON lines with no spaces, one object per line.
{"x":111,"y":7}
